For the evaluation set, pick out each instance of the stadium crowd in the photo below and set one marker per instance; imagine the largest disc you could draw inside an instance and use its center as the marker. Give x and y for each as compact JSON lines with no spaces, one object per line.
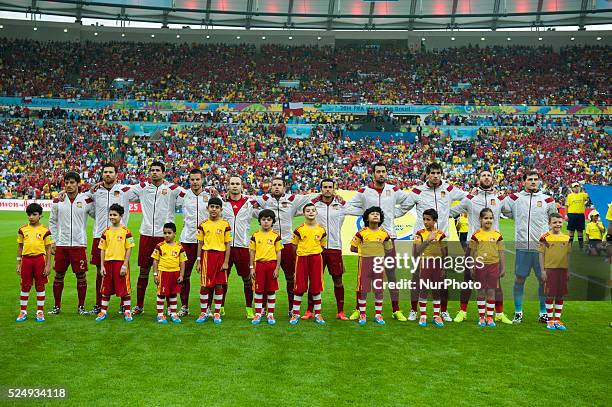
{"x":35,"y":155}
{"x":489,"y":75}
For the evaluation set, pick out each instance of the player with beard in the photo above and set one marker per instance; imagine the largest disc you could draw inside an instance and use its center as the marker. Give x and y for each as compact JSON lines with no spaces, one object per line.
{"x":435,"y":194}
{"x":238,"y":210}
{"x":286,"y":207}
{"x":484,"y":196}
{"x":388,"y":197}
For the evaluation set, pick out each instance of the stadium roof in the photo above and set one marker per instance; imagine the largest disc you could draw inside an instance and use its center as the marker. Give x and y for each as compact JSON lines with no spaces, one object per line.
{"x":332,"y":14}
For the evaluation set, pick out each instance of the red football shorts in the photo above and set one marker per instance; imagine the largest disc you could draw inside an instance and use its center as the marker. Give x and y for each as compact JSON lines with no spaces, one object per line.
{"x":146,"y":245}
{"x":191,"y":250}
{"x":308,"y":274}
{"x":212,"y":275}
{"x":32,"y":269}
{"x":369,"y":279}
{"x":94,"y":255}
{"x":73,"y":256}
{"x":264,"y":277}
{"x":113,"y":282}
{"x":431,"y":270}
{"x":487,"y":275}
{"x":288,"y":260}
{"x":556,"y":283}
{"x":332,"y":260}
{"x":168,"y":284}
{"x":239,"y":256}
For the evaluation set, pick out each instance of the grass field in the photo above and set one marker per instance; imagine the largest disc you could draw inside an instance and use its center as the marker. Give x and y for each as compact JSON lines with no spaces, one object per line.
{"x":142,"y":363}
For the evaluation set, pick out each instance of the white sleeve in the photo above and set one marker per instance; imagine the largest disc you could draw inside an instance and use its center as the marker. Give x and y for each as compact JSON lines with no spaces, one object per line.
{"x":407,"y":205}
{"x":134,"y":193}
{"x":459,"y":208}
{"x":53,"y":219}
{"x":356,"y":205}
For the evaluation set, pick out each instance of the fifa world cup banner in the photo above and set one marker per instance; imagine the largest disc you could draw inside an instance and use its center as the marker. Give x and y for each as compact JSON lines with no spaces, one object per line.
{"x":298,"y":130}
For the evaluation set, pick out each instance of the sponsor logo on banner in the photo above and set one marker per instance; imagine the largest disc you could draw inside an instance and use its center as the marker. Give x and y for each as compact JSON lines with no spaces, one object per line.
{"x":22,"y":204}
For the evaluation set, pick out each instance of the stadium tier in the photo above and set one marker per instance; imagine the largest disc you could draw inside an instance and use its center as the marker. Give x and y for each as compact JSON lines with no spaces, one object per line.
{"x":196,"y":72}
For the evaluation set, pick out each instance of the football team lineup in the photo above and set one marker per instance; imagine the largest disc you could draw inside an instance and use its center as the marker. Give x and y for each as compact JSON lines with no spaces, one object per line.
{"x":216,"y":237}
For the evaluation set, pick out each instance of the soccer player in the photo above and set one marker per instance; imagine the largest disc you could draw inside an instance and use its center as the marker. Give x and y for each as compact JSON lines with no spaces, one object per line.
{"x":309,"y":240}
{"x":265,"y":252}
{"x":194,"y":202}
{"x":158,"y":200}
{"x":387,"y":197}
{"x":238,"y":210}
{"x":484,"y":196}
{"x":214,"y":239}
{"x":331,"y":211}
{"x":285,"y":207}
{"x":33,"y":261}
{"x":107,"y":193}
{"x":530,"y":209}
{"x":595,"y":232}
{"x":371,"y":243}
{"x":115,"y":247}
{"x":554,"y":251}
{"x":169,"y":260}
{"x":575,"y":204}
{"x":430,"y":246}
{"x":68,"y":226}
{"x":438,"y":195}
{"x":486,"y":245}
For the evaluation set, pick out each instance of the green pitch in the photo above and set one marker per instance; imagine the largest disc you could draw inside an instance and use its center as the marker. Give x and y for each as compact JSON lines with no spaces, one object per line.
{"x":142,"y":363}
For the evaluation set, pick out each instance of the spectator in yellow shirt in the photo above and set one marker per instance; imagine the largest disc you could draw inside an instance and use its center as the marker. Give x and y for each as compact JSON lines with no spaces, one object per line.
{"x":595,"y":232}
{"x":575,"y":205}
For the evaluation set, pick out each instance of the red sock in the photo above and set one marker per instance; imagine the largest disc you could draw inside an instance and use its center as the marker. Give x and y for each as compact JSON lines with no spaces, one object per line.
{"x":443,"y":305}
{"x":499,"y":306}
{"x":104,"y":303}
{"x":357,"y":300}
{"x":413,"y":305}
{"x":339,"y":293}
{"x":248,"y":294}
{"x":58,"y":288}
{"x":224,"y":294}
{"x":395,"y":305}
{"x":141,"y":289}
{"x":463,"y":306}
{"x":127,"y":302}
{"x":98,"y":288}
{"x":81,"y":291}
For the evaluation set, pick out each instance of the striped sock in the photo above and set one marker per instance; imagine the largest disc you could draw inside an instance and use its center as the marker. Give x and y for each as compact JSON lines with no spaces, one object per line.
{"x":297,"y":303}
{"x":104,"y":303}
{"x":40,"y":300}
{"x":127,"y":303}
{"x":316,"y":300}
{"x":23,"y":300}
{"x":203,"y":299}
{"x":173,"y":302}
{"x":490,"y":308}
{"x":160,"y":306}
{"x":271,"y":303}
{"x":218,"y":299}
{"x":362,"y":306}
{"x":558,"y":310}
{"x":423,"y":307}
{"x":258,"y":303}
{"x":480,"y":302}
{"x":549,"y":309}
{"x":436,"y":308}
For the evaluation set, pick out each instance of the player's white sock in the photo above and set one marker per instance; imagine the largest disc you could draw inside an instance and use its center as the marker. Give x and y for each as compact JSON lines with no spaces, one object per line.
{"x":558,"y":309}
{"x":362,"y":306}
{"x":481,"y":303}
{"x":423,"y":308}
{"x":40,"y":300}
{"x":490,"y":309}
{"x":160,"y":306}
{"x":258,"y":303}
{"x":23,"y":301}
{"x":173,"y":302}
{"x":271,"y":303}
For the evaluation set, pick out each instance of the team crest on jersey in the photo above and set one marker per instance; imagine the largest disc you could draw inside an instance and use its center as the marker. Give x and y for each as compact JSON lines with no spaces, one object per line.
{"x":116,"y":194}
{"x":164,"y":191}
{"x":442,"y":194}
{"x":539,"y":204}
{"x":388,"y":193}
{"x":38,"y":236}
{"x":317,"y":237}
{"x":119,"y":238}
{"x":492,"y":239}
{"x":285,"y":204}
{"x":269,"y":241}
{"x":493,"y":202}
{"x":79,"y":204}
{"x":219,"y":231}
{"x":174,"y":253}
{"x":205,"y":199}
